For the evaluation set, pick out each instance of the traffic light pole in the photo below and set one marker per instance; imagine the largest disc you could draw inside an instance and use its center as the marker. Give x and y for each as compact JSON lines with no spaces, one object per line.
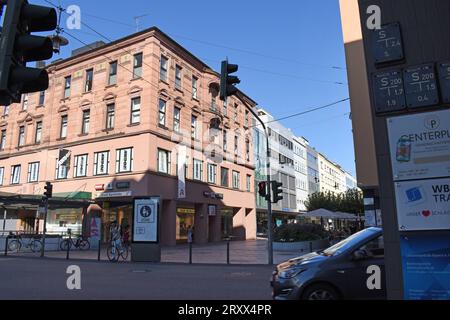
{"x":44,"y":231}
{"x":269,"y":197}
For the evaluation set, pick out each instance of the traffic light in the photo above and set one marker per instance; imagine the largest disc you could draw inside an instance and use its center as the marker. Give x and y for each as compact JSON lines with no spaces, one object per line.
{"x":18,"y":46}
{"x":227,"y":82}
{"x":276,"y":191}
{"x":48,"y":190}
{"x":262,"y":191}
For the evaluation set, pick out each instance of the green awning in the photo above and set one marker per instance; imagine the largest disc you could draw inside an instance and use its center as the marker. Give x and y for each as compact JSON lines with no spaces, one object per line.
{"x":73,"y":195}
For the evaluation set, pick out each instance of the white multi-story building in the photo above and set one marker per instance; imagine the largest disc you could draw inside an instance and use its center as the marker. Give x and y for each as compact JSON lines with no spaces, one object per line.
{"x":301,"y":171}
{"x":332,"y":177}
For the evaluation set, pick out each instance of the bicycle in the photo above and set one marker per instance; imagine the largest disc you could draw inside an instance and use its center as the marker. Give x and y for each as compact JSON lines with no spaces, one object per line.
{"x":17,"y":242}
{"x":115,"y":251}
{"x":79,"y":242}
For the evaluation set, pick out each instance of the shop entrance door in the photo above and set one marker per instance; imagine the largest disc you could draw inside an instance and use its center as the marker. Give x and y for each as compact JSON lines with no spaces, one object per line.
{"x":185,"y":220}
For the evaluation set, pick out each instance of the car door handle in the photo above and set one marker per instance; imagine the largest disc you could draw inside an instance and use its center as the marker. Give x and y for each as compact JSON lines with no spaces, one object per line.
{"x":341,"y":271}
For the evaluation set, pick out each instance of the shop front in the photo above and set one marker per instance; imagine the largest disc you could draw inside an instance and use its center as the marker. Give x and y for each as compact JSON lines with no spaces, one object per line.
{"x":119,"y":211}
{"x":184,"y":220}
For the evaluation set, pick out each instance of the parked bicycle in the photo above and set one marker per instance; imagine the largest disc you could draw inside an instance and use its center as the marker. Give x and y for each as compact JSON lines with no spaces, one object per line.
{"x":79,"y":242}
{"x":16,"y":242}
{"x":117,"y":250}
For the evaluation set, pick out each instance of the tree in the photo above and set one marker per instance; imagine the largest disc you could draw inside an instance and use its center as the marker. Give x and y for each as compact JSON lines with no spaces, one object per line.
{"x":351,"y":201}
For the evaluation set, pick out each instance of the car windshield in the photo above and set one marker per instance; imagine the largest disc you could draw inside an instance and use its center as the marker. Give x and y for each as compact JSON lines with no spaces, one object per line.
{"x":348,"y":242}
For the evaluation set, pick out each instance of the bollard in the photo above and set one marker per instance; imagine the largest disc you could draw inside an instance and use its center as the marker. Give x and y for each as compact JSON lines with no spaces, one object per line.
{"x":190,"y":252}
{"x":310,"y":247}
{"x":228,"y":251}
{"x":99,"y":248}
{"x":69,"y":242}
{"x":6,"y":245}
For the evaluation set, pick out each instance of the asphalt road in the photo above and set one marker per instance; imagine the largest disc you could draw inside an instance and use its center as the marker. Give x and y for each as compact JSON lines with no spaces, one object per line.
{"x":35,"y":278}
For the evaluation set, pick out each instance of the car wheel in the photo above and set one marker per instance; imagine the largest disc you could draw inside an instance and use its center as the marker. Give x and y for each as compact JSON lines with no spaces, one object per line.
{"x":320,"y":292}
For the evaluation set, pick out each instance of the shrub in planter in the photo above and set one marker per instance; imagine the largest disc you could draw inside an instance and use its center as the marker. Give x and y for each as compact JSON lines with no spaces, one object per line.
{"x":295,"y":232}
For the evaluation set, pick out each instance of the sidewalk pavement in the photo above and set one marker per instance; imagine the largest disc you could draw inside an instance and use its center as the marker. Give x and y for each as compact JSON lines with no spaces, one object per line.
{"x":241,"y":252}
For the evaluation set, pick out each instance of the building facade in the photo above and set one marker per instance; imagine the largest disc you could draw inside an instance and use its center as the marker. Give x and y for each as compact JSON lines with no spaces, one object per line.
{"x":332,"y":177}
{"x":313,"y":169}
{"x":129,"y":119}
{"x":301,"y":172}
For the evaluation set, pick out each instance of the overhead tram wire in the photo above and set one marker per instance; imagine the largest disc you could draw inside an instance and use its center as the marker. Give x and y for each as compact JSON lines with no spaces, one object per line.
{"x":305,"y":112}
{"x":215,"y":45}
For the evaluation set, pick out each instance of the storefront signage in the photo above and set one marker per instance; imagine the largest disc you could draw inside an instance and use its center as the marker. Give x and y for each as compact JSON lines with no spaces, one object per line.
{"x":212,"y":210}
{"x":186,"y":210}
{"x":99,"y":187}
{"x":123,"y":185}
{"x":423,"y":204}
{"x":420,"y":86}
{"x":63,"y":157}
{"x":388,"y":91}
{"x":145,"y":218}
{"x":213,"y":195}
{"x":114,"y":194}
{"x":426,"y":266}
{"x":420,"y":145}
{"x":387,"y":43}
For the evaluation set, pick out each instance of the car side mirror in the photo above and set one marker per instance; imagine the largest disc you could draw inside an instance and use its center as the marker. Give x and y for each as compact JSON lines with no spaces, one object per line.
{"x":359,"y":255}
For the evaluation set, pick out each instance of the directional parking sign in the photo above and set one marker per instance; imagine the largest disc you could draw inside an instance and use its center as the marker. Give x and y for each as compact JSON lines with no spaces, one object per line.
{"x":387,"y":43}
{"x":388,"y":91}
{"x":420,"y":86}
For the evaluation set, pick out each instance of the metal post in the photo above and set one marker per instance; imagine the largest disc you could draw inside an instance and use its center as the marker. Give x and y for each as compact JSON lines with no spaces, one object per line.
{"x":310,"y":247}
{"x":69,"y":243}
{"x":4,"y":218}
{"x":190,"y":252}
{"x":44,"y":231}
{"x":228,"y":250}
{"x":269,"y":197}
{"x":99,"y":248}
{"x":6,"y":245}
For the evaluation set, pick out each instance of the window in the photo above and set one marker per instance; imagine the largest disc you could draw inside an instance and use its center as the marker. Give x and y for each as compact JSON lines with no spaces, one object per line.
{"x":178,"y":77}
{"x":197,"y":170}
{"x":101,"y":163}
{"x":38,"y":133}
{"x":89,"y":80}
{"x":246,"y":118}
{"x":185,"y":167}
{"x":85,"y":122}
{"x":80,"y":168}
{"x":3,"y":140}
{"x":112,"y":79}
{"x":213,"y":103}
{"x":236,"y":182}
{"x":63,"y":130}
{"x":33,"y":172}
{"x":124,"y":160}
{"x":162,"y":112}
{"x":225,"y":142}
{"x":15,"y":174}
{"x":163,"y":69}
{"x":236,"y":144}
{"x":194,"y":87}
{"x":235,"y":113}
{"x":2,"y":174}
{"x":247,"y":150}
{"x":163,"y":161}
{"x":67,"y":83}
{"x":25,"y":101}
{"x":212,"y":173}
{"x":135,"y":110}
{"x":110,"y":114}
{"x":248,"y":183}
{"x":194,"y":127}
{"x":41,"y":98}
{"x":21,"y":141}
{"x":176,"y":119}
{"x":224,"y":177}
{"x":137,"y":66}
{"x":62,"y":170}
{"x":225,"y":112}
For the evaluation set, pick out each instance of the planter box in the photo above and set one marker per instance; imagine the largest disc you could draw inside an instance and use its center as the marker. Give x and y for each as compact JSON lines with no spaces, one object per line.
{"x":301,"y":246}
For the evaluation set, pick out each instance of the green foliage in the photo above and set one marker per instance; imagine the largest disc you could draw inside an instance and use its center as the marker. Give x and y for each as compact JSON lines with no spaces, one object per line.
{"x":299,"y":232}
{"x":350,"y":201}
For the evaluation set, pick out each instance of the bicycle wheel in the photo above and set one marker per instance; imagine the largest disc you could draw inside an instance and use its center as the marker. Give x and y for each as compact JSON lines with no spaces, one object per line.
{"x":36,"y":245}
{"x":14,"y":245}
{"x":64,"y":244}
{"x":84,"y":245}
{"x":112,"y":253}
{"x":124,"y":253}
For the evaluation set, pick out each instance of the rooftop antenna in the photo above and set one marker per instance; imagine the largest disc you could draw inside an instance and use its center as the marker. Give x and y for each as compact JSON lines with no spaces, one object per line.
{"x":137,"y":20}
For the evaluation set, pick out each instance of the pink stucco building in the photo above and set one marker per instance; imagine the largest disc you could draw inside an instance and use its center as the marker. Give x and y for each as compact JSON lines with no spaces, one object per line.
{"x":120,"y":112}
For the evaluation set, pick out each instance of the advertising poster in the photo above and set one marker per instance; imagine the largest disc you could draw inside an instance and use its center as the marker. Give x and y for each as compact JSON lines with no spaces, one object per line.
{"x":426,"y":267}
{"x":420,"y":145}
{"x":145,"y":218}
{"x":423,"y":204}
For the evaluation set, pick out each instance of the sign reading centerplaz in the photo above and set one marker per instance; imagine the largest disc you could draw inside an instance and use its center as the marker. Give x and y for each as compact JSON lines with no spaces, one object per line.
{"x":145,"y":219}
{"x":423,"y":204}
{"x":420,"y":145}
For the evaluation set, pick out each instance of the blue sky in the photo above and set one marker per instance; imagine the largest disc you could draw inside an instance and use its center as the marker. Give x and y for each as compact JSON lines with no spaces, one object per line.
{"x":287,"y":51}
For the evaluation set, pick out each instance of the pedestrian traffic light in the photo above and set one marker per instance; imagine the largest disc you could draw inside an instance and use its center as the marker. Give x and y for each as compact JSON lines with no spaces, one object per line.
{"x":262,"y":191}
{"x":276,"y":191}
{"x":227,"y":82}
{"x":18,"y":46}
{"x":48,"y":190}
